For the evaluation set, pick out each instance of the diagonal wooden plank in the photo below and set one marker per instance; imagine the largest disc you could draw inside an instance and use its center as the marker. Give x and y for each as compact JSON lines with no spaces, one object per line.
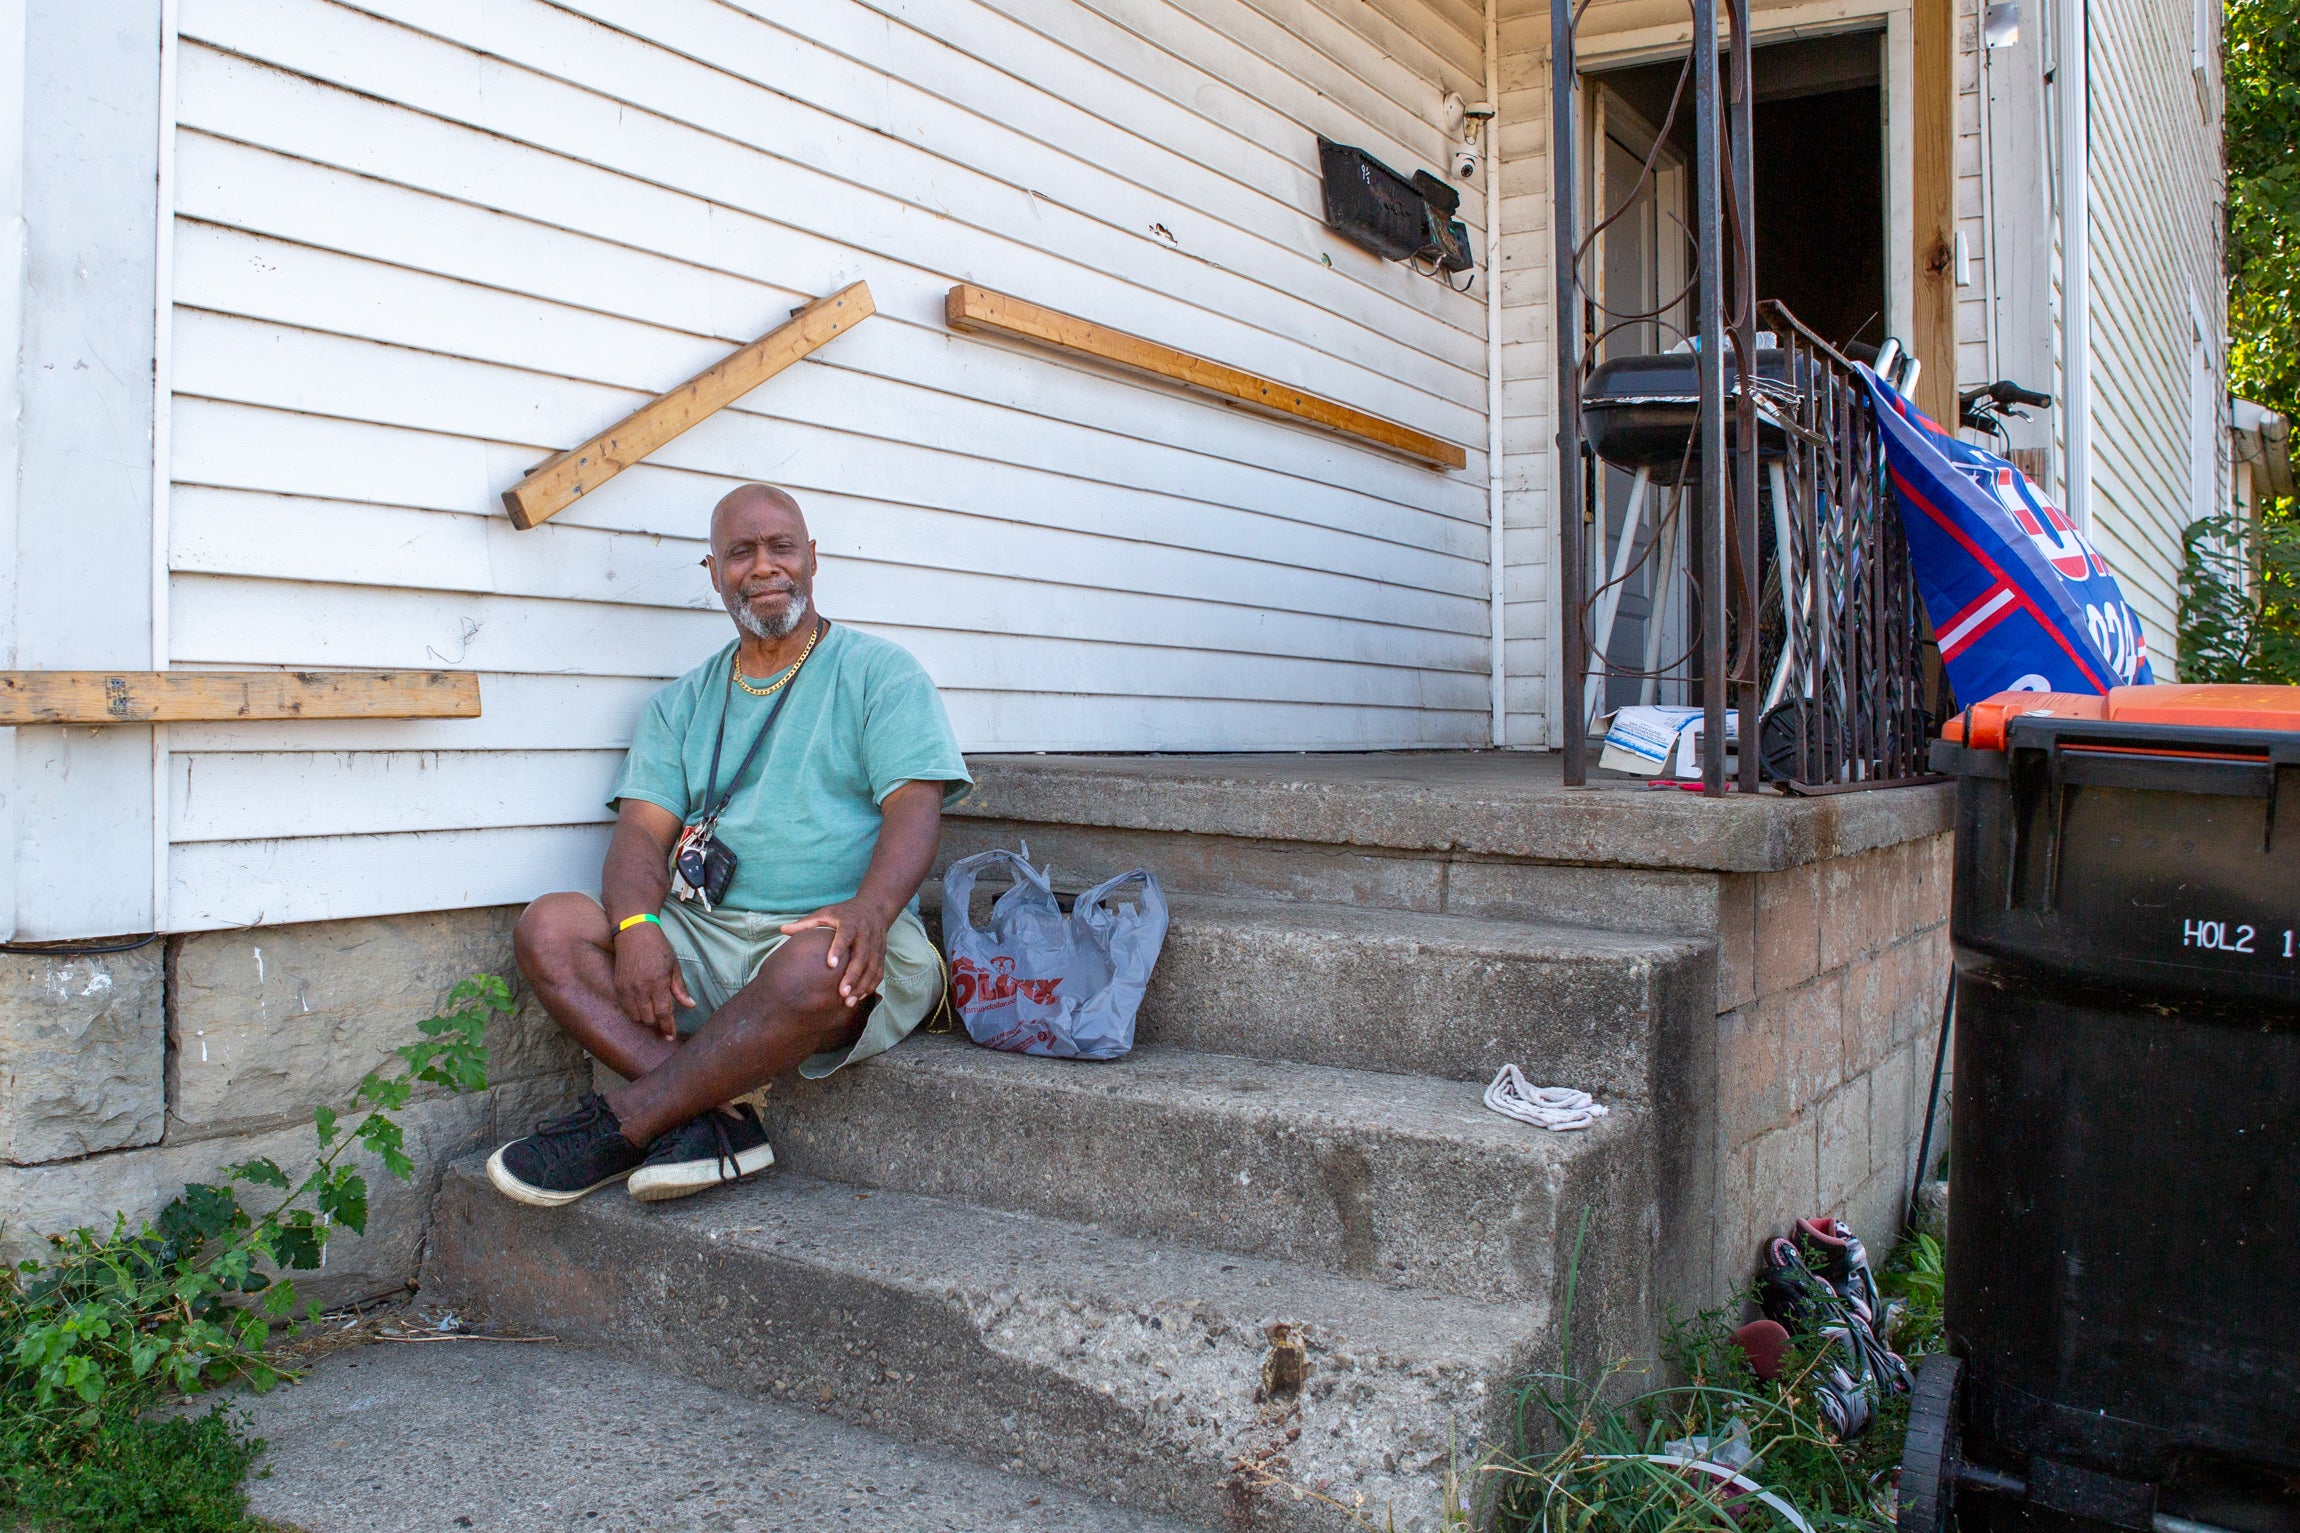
{"x":554,"y":485}
{"x":175,"y":697}
{"x":977,"y":309}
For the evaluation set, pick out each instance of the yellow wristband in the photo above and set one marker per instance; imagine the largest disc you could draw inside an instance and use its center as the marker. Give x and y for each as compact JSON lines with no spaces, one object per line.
{"x":631,"y":921}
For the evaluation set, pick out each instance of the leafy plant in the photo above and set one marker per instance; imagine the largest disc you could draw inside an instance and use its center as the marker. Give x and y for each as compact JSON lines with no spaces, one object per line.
{"x":2262,"y":75}
{"x":113,"y":1323}
{"x":1915,"y":1277}
{"x":2232,"y":628}
{"x":142,"y":1474}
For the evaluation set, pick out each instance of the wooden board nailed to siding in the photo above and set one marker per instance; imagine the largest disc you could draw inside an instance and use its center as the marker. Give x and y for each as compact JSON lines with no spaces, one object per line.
{"x":168,"y":697}
{"x":555,"y":485}
{"x":970,"y":308}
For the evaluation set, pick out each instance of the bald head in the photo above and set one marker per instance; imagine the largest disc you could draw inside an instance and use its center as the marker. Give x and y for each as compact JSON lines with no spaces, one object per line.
{"x":762,"y":560}
{"x":746,"y":500}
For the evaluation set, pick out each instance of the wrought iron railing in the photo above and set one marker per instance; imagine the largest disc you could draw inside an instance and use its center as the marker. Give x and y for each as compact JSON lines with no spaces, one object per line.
{"x":1840,"y":624}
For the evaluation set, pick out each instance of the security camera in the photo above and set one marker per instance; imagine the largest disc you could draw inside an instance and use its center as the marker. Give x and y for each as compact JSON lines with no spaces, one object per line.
{"x":1465,"y":163}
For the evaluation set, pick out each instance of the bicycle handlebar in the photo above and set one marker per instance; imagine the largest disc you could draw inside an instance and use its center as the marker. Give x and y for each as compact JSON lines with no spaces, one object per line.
{"x":2005,"y":392}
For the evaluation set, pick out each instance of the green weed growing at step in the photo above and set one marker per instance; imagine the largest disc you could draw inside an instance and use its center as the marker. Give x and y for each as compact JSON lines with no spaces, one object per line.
{"x":142,"y":1474}
{"x":112,"y":1324}
{"x":1915,"y":1276}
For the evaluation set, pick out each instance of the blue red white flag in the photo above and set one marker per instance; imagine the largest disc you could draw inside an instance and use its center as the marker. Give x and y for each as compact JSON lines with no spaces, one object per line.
{"x":2019,"y":599}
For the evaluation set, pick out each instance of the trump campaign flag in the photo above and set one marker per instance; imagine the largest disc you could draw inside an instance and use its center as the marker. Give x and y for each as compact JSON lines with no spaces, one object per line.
{"x":2020,"y":601}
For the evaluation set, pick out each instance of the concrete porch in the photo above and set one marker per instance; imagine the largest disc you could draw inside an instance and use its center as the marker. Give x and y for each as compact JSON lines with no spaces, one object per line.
{"x":1085,"y":1271}
{"x":1825,"y":920}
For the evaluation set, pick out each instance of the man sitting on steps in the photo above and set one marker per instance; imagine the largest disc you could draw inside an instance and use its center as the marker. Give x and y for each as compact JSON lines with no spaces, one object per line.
{"x":819,"y":758}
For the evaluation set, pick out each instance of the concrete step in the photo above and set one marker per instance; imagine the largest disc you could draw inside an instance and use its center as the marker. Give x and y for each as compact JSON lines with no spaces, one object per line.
{"x":1451,"y":805}
{"x":1121,"y":1367}
{"x":1446,"y":996}
{"x":1338,"y":871}
{"x":1402,"y":1179}
{"x":547,"y":1438}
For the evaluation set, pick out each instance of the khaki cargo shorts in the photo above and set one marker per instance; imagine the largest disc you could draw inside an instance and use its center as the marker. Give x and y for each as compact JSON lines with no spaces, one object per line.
{"x":720,"y":952}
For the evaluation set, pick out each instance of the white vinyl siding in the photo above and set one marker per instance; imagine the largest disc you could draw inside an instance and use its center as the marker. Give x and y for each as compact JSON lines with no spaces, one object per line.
{"x":1971,"y":199}
{"x":422,"y":244}
{"x":2206,"y":429}
{"x":1529,"y":372}
{"x":2157,"y":184}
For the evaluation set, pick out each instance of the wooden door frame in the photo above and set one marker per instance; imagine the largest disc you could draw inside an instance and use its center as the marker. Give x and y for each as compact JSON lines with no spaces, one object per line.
{"x":1932,"y":196}
{"x":1672,"y":188}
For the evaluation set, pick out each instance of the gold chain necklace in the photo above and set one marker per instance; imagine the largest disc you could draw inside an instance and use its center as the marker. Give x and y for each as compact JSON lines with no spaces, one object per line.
{"x":773,"y":687}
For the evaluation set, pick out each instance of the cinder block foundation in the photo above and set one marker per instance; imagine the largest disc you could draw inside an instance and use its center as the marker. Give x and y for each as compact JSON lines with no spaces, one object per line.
{"x":1825,"y":1059}
{"x":122,"y":1077}
{"x":83,"y":1053}
{"x":266,"y":1024}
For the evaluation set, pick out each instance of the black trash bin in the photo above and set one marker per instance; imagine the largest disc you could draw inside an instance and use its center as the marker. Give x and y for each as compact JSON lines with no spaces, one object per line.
{"x":2123,"y":1262}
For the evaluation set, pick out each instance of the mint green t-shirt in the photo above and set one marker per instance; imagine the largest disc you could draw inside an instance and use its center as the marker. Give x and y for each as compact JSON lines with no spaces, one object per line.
{"x":862,"y":720}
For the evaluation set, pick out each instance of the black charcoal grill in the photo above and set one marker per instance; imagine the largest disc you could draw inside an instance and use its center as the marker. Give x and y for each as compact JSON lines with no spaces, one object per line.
{"x":1642,"y":412}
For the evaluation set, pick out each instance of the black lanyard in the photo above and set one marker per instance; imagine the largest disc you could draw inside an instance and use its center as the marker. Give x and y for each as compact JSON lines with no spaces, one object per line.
{"x":712,"y":811}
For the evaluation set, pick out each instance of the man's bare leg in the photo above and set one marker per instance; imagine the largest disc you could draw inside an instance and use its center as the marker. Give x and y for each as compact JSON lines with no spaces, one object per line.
{"x":791,"y":1010}
{"x":567,"y":952}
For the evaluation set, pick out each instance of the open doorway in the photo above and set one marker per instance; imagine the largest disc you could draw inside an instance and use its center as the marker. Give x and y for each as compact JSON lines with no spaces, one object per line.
{"x":1819,"y":168}
{"x":1818,"y":119}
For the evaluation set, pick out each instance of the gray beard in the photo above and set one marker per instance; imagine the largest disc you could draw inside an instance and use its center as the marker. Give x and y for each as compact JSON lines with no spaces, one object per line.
{"x":759,"y":628}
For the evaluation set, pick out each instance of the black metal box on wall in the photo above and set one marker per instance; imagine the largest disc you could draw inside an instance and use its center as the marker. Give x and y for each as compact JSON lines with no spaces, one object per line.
{"x":1369,"y":204}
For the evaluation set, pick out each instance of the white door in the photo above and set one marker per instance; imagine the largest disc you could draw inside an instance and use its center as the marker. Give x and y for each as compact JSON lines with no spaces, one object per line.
{"x":1638,"y":263}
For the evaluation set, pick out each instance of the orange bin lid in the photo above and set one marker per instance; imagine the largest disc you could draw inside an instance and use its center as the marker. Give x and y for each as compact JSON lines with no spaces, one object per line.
{"x":2213,"y":706}
{"x":1990,"y":716}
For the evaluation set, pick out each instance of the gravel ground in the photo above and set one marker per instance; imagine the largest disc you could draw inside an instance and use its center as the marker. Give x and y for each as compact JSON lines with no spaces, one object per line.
{"x":505,"y":1438}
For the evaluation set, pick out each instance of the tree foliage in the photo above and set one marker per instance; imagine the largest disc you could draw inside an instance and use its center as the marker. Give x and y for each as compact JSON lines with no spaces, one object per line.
{"x":2240,"y":590}
{"x":2238,"y":623}
{"x":2263,"y":78}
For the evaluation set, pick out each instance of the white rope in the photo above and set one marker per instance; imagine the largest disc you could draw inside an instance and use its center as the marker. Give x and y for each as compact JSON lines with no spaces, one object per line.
{"x":1558,"y":1108}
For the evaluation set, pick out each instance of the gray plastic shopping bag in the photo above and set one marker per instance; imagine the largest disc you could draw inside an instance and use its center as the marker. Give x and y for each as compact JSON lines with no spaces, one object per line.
{"x":1039,"y":981}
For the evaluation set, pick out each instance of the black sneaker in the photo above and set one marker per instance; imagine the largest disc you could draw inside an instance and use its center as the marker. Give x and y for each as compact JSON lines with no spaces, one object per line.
{"x":722,"y":1145}
{"x":566,"y":1157}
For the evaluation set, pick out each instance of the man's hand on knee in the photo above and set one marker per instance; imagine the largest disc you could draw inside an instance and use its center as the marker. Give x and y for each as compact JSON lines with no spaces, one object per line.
{"x":858,"y":946}
{"x":648,"y":985}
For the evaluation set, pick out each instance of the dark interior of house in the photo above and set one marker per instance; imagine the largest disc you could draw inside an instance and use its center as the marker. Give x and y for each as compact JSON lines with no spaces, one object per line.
{"x":1819,"y":124}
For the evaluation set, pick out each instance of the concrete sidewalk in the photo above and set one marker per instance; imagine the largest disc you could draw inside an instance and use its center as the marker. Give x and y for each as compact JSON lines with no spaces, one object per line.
{"x":509,"y":1438}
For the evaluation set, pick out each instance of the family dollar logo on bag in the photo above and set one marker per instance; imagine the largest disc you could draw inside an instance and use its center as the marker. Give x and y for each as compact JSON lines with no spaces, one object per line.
{"x":973,"y":985}
{"x":1019,"y":1038}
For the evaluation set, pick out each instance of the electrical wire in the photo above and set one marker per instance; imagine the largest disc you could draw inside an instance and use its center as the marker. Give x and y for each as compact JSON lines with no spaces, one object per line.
{"x":79,"y":950}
